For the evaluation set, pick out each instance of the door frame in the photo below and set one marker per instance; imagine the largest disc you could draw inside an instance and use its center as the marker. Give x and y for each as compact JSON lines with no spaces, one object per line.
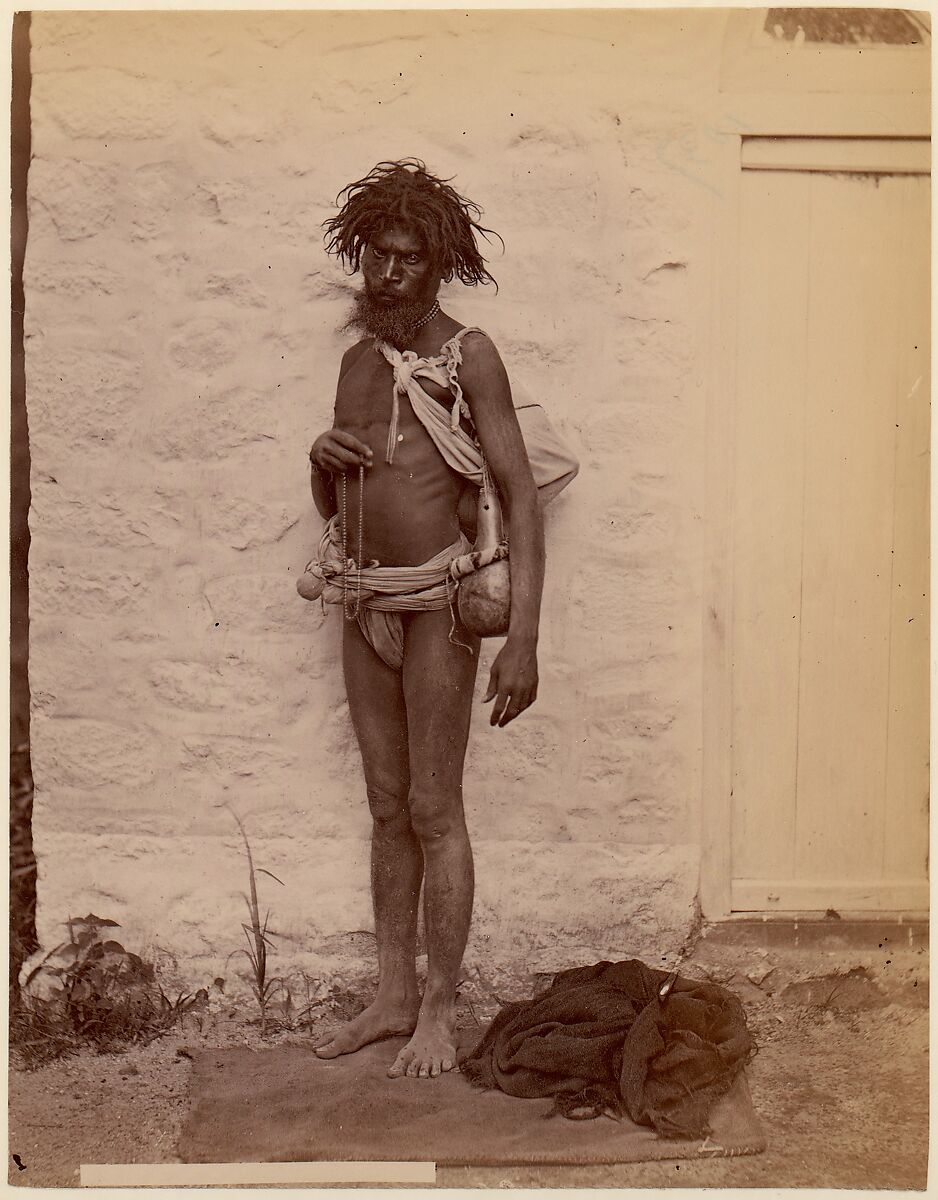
{"x":766,"y":92}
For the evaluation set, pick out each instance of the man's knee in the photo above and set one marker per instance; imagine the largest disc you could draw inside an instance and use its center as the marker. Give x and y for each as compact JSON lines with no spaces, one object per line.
{"x":434,"y":814}
{"x":388,"y":805}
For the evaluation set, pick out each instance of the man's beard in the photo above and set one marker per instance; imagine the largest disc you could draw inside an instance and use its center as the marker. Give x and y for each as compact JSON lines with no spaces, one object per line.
{"x":395,"y":323}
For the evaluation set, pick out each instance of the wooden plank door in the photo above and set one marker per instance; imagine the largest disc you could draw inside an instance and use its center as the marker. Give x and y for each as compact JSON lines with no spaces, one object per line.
{"x":830,"y":543}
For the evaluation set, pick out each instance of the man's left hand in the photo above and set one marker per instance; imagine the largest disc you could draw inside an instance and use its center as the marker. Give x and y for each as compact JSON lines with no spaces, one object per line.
{"x":512,"y":682}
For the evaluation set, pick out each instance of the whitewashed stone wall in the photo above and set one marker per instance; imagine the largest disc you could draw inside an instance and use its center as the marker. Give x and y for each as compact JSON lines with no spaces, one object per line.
{"x":182,"y":353}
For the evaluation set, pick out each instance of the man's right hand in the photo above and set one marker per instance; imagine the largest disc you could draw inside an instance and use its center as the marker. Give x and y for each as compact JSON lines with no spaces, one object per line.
{"x":338,"y":452}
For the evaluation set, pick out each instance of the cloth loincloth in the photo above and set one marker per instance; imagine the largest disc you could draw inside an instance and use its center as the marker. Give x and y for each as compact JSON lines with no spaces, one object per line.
{"x":385,"y":592}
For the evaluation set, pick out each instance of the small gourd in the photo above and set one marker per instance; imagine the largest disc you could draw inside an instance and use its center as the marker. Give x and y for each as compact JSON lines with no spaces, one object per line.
{"x":484,"y":598}
{"x":310,"y":586}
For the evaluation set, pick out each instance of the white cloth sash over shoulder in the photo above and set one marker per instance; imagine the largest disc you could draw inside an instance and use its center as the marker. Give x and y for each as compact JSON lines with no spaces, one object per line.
{"x":457,"y":447}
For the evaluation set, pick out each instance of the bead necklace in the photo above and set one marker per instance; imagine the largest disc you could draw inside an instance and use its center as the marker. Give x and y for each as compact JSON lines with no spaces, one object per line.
{"x":434,"y":309}
{"x":352,"y":613}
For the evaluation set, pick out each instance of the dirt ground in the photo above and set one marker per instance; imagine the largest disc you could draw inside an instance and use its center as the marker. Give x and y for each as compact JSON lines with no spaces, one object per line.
{"x":841,"y":1087}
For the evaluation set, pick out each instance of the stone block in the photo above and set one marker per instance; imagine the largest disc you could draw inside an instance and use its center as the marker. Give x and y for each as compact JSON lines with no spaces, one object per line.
{"x":157,"y":42}
{"x":63,"y":670}
{"x":215,"y":201}
{"x":633,"y":423}
{"x":236,"y":287}
{"x":641,"y":902}
{"x":623,"y":818}
{"x":317,"y":808}
{"x":237,"y":116}
{"x":534,"y":813}
{"x":70,"y":280}
{"x":655,"y":205}
{"x":195,"y":901}
{"x":65,"y":32}
{"x":625,"y":594}
{"x":328,"y":283}
{"x":109,"y":104}
{"x":646,"y":716}
{"x":246,"y":523}
{"x":650,"y":341}
{"x":213,"y":421}
{"x":95,"y":668}
{"x":521,"y":751}
{"x":642,"y":783}
{"x":636,"y":526}
{"x":80,"y":397}
{"x":225,"y":685}
{"x":535,"y":351}
{"x":77,"y":196}
{"x":75,"y":513}
{"x":85,"y":753}
{"x":83,"y":590}
{"x":231,"y":757}
{"x":156,"y":201}
{"x":660,"y":296}
{"x":204,"y":344}
{"x":267,"y":605}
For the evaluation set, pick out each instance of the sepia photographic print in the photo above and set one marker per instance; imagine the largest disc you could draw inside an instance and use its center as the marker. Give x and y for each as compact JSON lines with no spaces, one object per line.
{"x":470,"y":608}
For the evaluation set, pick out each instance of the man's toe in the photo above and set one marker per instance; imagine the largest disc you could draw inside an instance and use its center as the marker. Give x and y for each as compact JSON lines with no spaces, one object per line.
{"x":398,"y":1067}
{"x":448,"y":1064}
{"x":424,"y":1071}
{"x":412,"y":1068}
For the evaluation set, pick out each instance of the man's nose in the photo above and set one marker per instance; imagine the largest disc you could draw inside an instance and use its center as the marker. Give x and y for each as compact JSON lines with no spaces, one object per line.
{"x":391,"y":269}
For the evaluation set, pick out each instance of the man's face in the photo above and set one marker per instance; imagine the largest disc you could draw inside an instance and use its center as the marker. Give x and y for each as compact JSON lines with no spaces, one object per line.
{"x":401,"y":283}
{"x":396,"y":267}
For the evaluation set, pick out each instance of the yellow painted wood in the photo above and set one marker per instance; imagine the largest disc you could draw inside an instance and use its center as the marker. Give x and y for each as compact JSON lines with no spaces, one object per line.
{"x":767,"y":519}
{"x":721,"y":268}
{"x":849,"y":492}
{"x":827,"y":114}
{"x":906,"y":811}
{"x":829,"y":745}
{"x":909,"y":156}
{"x":805,"y":896}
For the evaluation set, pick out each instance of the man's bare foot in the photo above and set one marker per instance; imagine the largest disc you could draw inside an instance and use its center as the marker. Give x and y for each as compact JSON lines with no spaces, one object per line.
{"x":430,"y":1051}
{"x":379,"y":1020}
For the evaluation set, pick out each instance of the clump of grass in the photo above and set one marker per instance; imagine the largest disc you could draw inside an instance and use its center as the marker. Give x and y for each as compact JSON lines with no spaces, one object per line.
{"x":91,"y":991}
{"x":258,"y":936}
{"x":320,"y":1000}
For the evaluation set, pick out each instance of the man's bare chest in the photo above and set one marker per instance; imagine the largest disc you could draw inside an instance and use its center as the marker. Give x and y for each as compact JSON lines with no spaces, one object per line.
{"x":364,"y":397}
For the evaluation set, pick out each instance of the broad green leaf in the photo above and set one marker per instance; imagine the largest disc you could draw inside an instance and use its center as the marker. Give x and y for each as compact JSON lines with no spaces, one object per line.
{"x":95,"y":922}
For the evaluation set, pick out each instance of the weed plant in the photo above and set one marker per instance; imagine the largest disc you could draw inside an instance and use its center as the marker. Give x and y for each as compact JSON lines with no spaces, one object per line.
{"x":91,"y":991}
{"x":258,"y":936}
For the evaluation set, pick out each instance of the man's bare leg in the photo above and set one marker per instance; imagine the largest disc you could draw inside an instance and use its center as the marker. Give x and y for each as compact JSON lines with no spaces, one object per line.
{"x":376,"y":701}
{"x":438,"y":679}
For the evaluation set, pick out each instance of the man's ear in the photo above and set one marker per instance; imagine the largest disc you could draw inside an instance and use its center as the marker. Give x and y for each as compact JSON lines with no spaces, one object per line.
{"x":446,"y":273}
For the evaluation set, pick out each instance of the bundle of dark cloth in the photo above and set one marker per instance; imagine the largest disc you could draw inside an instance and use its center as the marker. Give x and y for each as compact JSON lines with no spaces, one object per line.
{"x":600,"y":1039}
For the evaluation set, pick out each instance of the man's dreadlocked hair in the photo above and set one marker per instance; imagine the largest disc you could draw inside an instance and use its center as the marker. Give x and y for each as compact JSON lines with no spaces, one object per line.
{"x":406,"y":193}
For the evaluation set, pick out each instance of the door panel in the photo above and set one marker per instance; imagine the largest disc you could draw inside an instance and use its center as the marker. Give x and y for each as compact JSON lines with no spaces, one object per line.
{"x":830,"y":672}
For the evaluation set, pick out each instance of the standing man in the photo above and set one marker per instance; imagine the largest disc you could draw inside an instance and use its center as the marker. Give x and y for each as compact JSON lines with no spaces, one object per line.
{"x":388,"y":480}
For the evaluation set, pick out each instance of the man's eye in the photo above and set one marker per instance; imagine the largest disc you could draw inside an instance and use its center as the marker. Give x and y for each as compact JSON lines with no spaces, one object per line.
{"x":412,"y":259}
{"x":376,"y":252}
